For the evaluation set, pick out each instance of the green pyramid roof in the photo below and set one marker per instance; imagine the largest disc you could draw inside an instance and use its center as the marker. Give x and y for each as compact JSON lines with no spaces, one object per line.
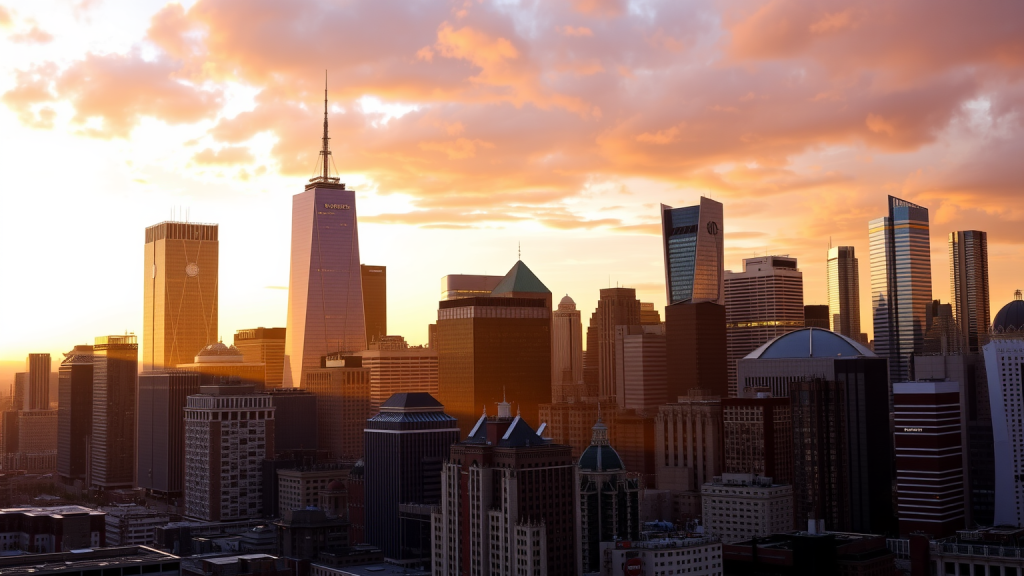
{"x":520,"y":279}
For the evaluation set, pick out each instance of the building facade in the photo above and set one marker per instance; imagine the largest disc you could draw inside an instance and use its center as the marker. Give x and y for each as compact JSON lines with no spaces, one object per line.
{"x":396,"y":367}
{"x":696,"y":349}
{"x":38,"y":366}
{"x":641,"y":370}
{"x":901,"y":284}
{"x":229,"y":431}
{"x":264,"y":346}
{"x":743,"y":506}
{"x":342,"y":389}
{"x":488,"y":345}
{"x":758,"y":435}
{"x":297,"y":420}
{"x":764,"y":301}
{"x":674,"y":554}
{"x":114,"y":395}
{"x":930,"y":489}
{"x":180,"y":296}
{"x":688,"y":450}
{"x":161,"y":438}
{"x":968,"y":286}
{"x":406,"y":445}
{"x":74,"y":414}
{"x":821,"y":478}
{"x":508,"y":503}
{"x":217,"y":363}
{"x":375,"y":301}
{"x":454,"y":286}
{"x":844,"y":292}
{"x":1004,"y":364}
{"x":692,"y":239}
{"x":300,"y":488}
{"x":567,"y":353}
{"x":615,"y":307}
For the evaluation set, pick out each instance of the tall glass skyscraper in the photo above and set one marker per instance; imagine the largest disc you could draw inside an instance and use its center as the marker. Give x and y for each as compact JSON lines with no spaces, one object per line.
{"x":901,"y":284}
{"x":325,"y":290}
{"x":693,"y":252}
{"x":844,"y":292}
{"x":968,"y":286}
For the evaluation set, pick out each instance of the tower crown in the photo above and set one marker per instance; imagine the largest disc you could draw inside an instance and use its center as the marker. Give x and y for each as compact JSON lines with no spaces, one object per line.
{"x":324,"y":163}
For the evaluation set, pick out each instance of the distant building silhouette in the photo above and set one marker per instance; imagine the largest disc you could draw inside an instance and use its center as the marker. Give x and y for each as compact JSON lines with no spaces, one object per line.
{"x":375,"y":301}
{"x":843,"y":279}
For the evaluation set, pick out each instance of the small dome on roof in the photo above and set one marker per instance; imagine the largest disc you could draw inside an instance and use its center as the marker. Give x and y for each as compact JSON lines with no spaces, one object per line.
{"x":811,"y":343}
{"x":566,"y":303}
{"x":219,"y":352}
{"x":600,"y":456}
{"x":1010,"y":318}
{"x":335,"y":485}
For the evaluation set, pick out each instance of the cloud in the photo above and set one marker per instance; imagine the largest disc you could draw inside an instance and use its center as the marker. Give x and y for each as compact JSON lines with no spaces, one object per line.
{"x":6,"y":17}
{"x":34,"y":35}
{"x":229,"y":155}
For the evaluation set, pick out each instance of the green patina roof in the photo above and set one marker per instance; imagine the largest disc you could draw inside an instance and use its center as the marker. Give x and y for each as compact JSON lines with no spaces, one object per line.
{"x":520,"y":279}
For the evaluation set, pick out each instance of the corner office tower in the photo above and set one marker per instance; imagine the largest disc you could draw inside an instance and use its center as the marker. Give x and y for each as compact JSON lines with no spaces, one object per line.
{"x":180,"y":296}
{"x":325,"y":294}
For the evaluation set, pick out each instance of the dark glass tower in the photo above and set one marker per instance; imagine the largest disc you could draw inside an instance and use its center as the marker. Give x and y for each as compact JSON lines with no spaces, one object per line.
{"x":115,"y":382}
{"x":38,"y":368}
{"x":74,"y":414}
{"x":968,"y":286}
{"x":325,"y":288}
{"x":406,"y":445}
{"x":901,"y":284}
{"x":162,"y":399}
{"x":375,"y":301}
{"x":693,"y":243}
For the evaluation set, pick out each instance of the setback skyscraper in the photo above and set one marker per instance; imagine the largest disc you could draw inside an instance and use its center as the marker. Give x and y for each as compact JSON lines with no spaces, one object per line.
{"x":844,"y":292}
{"x":325,"y":288}
{"x":968,"y":286}
{"x":566,"y":353}
{"x":901,"y":284}
{"x":375,"y":301}
{"x":180,"y":295}
{"x":616,"y":307}
{"x":764,"y":301}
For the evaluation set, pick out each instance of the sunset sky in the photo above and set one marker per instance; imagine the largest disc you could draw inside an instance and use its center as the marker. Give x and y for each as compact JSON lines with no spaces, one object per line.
{"x":470,"y":127}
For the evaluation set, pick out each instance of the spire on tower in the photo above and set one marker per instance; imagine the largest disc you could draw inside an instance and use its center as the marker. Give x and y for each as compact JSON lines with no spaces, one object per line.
{"x":324,"y":163}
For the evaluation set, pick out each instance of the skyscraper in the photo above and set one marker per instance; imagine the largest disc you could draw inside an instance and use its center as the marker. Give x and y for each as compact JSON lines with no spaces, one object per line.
{"x":74,"y":414}
{"x":406,"y":446}
{"x":616,"y":307}
{"x":566,"y":352}
{"x":1004,"y":364}
{"x":490,"y":344}
{"x":821,"y":476}
{"x":640,"y":368}
{"x":844,"y":291}
{"x":375,"y":301}
{"x":38,"y":368}
{"x":264,"y":346}
{"x":115,"y":384}
{"x":342,"y":389}
{"x":325,"y":288}
{"x":519,"y":511}
{"x":693,"y":247}
{"x":395,"y":367}
{"x":764,"y":301}
{"x":163,"y":395}
{"x":467,"y":285}
{"x":688,"y":448}
{"x":968,"y":286}
{"x":901,"y":284}
{"x":758,"y":437}
{"x":695,"y":348}
{"x":180,"y":295}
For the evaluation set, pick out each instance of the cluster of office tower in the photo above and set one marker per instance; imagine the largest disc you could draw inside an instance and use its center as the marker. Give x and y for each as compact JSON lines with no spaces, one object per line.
{"x":515,"y":438}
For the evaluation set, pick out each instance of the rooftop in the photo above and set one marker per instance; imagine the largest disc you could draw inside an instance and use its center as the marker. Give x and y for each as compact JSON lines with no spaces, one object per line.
{"x":811,"y":343}
{"x":85,"y":559}
{"x":411,"y":402}
{"x":54,"y":511}
{"x":520,"y":279}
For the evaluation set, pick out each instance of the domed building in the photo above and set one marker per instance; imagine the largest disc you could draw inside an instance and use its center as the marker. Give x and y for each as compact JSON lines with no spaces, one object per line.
{"x":609,"y":498}
{"x":219,"y":363}
{"x":566,"y":352}
{"x":1004,"y":365}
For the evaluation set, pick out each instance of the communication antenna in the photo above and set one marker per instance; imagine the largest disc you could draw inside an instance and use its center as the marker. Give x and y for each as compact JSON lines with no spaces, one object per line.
{"x":325,"y":150}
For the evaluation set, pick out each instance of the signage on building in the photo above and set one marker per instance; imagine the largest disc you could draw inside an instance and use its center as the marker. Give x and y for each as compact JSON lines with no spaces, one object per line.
{"x":337,"y":206}
{"x":633,"y":567}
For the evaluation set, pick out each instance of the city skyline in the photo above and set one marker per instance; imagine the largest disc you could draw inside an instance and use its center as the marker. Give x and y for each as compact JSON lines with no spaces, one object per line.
{"x":232,"y":150}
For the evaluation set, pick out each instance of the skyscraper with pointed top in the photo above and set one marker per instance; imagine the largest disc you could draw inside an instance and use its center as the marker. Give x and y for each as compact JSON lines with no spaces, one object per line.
{"x":325,"y":296}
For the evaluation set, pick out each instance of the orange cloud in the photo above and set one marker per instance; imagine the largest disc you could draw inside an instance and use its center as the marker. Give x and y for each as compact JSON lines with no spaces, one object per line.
{"x":228,"y":155}
{"x":6,"y":17}
{"x":34,"y":35}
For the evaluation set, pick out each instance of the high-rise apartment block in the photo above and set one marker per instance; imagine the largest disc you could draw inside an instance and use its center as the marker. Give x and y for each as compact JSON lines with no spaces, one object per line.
{"x":861,"y":397}
{"x":616,"y":307}
{"x":74,"y":414}
{"x":743,"y":506}
{"x":1004,"y":364}
{"x":968,"y":286}
{"x":694,"y":252}
{"x":375,"y":301}
{"x":163,"y":395}
{"x":342,"y":389}
{"x":764,"y":301}
{"x":229,"y":431}
{"x":38,"y":366}
{"x":115,"y":386}
{"x":566,"y":353}
{"x":641,"y":372}
{"x":264,"y":346}
{"x":844,"y":291}
{"x":508,"y":500}
{"x":325,"y":285}
{"x":489,"y":344}
{"x":180,"y":296}
{"x":688,"y":450}
{"x":930,"y":486}
{"x":406,"y":446}
{"x":758,"y":436}
{"x":901,"y":284}
{"x":609,"y":499}
{"x":395,"y":367}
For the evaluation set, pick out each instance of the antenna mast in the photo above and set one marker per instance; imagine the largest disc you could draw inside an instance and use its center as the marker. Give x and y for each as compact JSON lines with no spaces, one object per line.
{"x":325,"y":151}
